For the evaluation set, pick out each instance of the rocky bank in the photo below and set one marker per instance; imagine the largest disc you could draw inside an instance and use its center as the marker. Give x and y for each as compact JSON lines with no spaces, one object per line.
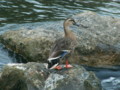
{"x":98,"y":40}
{"x":34,"y":76}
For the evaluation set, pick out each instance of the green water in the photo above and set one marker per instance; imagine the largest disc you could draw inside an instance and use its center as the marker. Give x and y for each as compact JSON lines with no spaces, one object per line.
{"x":25,"y":11}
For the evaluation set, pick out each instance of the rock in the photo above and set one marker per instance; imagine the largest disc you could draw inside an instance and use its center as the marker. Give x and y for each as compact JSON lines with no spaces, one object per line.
{"x":32,"y":45}
{"x":98,"y":40}
{"x":34,"y":76}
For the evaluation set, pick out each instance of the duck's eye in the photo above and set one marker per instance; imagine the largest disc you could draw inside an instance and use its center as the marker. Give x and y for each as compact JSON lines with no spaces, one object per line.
{"x":73,"y":21}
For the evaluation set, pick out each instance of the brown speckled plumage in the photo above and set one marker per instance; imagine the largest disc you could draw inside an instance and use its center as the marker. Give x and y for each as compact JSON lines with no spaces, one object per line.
{"x":68,"y":42}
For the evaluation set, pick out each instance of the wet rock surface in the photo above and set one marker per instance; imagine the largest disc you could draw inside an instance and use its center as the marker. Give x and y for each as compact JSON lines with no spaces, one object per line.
{"x":98,"y":40}
{"x":34,"y":76}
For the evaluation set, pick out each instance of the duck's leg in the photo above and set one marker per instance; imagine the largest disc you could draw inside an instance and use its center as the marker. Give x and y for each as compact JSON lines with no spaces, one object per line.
{"x":68,"y":65}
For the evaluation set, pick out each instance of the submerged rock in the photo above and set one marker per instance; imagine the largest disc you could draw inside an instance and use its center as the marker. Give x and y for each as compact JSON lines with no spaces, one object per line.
{"x":34,"y":76}
{"x":98,"y":40}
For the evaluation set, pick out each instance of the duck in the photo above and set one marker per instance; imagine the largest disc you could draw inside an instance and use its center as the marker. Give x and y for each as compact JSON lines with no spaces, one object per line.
{"x":63,"y":47}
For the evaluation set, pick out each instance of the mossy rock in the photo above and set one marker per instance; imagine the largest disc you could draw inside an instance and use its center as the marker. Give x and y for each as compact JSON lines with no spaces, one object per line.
{"x":12,"y":79}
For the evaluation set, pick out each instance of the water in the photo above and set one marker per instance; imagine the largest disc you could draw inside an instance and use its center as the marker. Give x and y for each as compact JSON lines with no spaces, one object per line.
{"x":25,"y":13}
{"x":109,"y":76}
{"x":5,"y":56}
{"x":112,"y":83}
{"x":22,"y":11}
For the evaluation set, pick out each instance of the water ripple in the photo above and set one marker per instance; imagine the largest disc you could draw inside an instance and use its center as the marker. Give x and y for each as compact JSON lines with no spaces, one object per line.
{"x":43,"y":10}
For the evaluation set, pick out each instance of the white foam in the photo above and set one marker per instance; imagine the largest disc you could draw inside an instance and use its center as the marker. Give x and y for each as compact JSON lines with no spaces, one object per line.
{"x":14,"y":64}
{"x":17,"y":65}
{"x":108,"y":80}
{"x":112,"y":83}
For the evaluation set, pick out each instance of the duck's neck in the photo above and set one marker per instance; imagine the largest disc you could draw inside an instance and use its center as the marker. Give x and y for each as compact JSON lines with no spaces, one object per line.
{"x":66,"y":30}
{"x":68,"y":33}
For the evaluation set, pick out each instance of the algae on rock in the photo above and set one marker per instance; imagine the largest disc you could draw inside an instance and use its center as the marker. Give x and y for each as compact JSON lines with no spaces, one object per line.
{"x":34,"y":76}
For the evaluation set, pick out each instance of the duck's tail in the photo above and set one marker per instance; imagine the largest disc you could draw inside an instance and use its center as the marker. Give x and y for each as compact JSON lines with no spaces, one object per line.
{"x":53,"y":63}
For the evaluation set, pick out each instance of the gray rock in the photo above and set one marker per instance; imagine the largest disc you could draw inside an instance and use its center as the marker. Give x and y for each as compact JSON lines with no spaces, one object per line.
{"x":98,"y":40}
{"x":34,"y":76}
{"x":33,"y":45}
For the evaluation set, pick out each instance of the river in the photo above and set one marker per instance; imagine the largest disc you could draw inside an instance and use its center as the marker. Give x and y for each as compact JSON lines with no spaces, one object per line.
{"x":17,"y":13}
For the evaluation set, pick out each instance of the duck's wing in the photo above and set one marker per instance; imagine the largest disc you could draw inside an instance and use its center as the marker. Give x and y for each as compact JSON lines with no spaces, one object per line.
{"x":58,"y":54}
{"x":55,"y":57}
{"x":60,"y":47}
{"x":62,"y":44}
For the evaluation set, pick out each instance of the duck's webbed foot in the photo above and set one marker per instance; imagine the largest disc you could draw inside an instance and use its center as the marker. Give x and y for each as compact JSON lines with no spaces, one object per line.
{"x":68,"y":65}
{"x":58,"y":67}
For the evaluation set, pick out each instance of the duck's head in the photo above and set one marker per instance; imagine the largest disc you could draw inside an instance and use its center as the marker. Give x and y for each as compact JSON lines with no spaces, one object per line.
{"x":69,"y":22}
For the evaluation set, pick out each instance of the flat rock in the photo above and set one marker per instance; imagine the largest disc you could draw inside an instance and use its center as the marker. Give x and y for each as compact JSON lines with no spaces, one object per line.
{"x":34,"y":76}
{"x":98,"y":40}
